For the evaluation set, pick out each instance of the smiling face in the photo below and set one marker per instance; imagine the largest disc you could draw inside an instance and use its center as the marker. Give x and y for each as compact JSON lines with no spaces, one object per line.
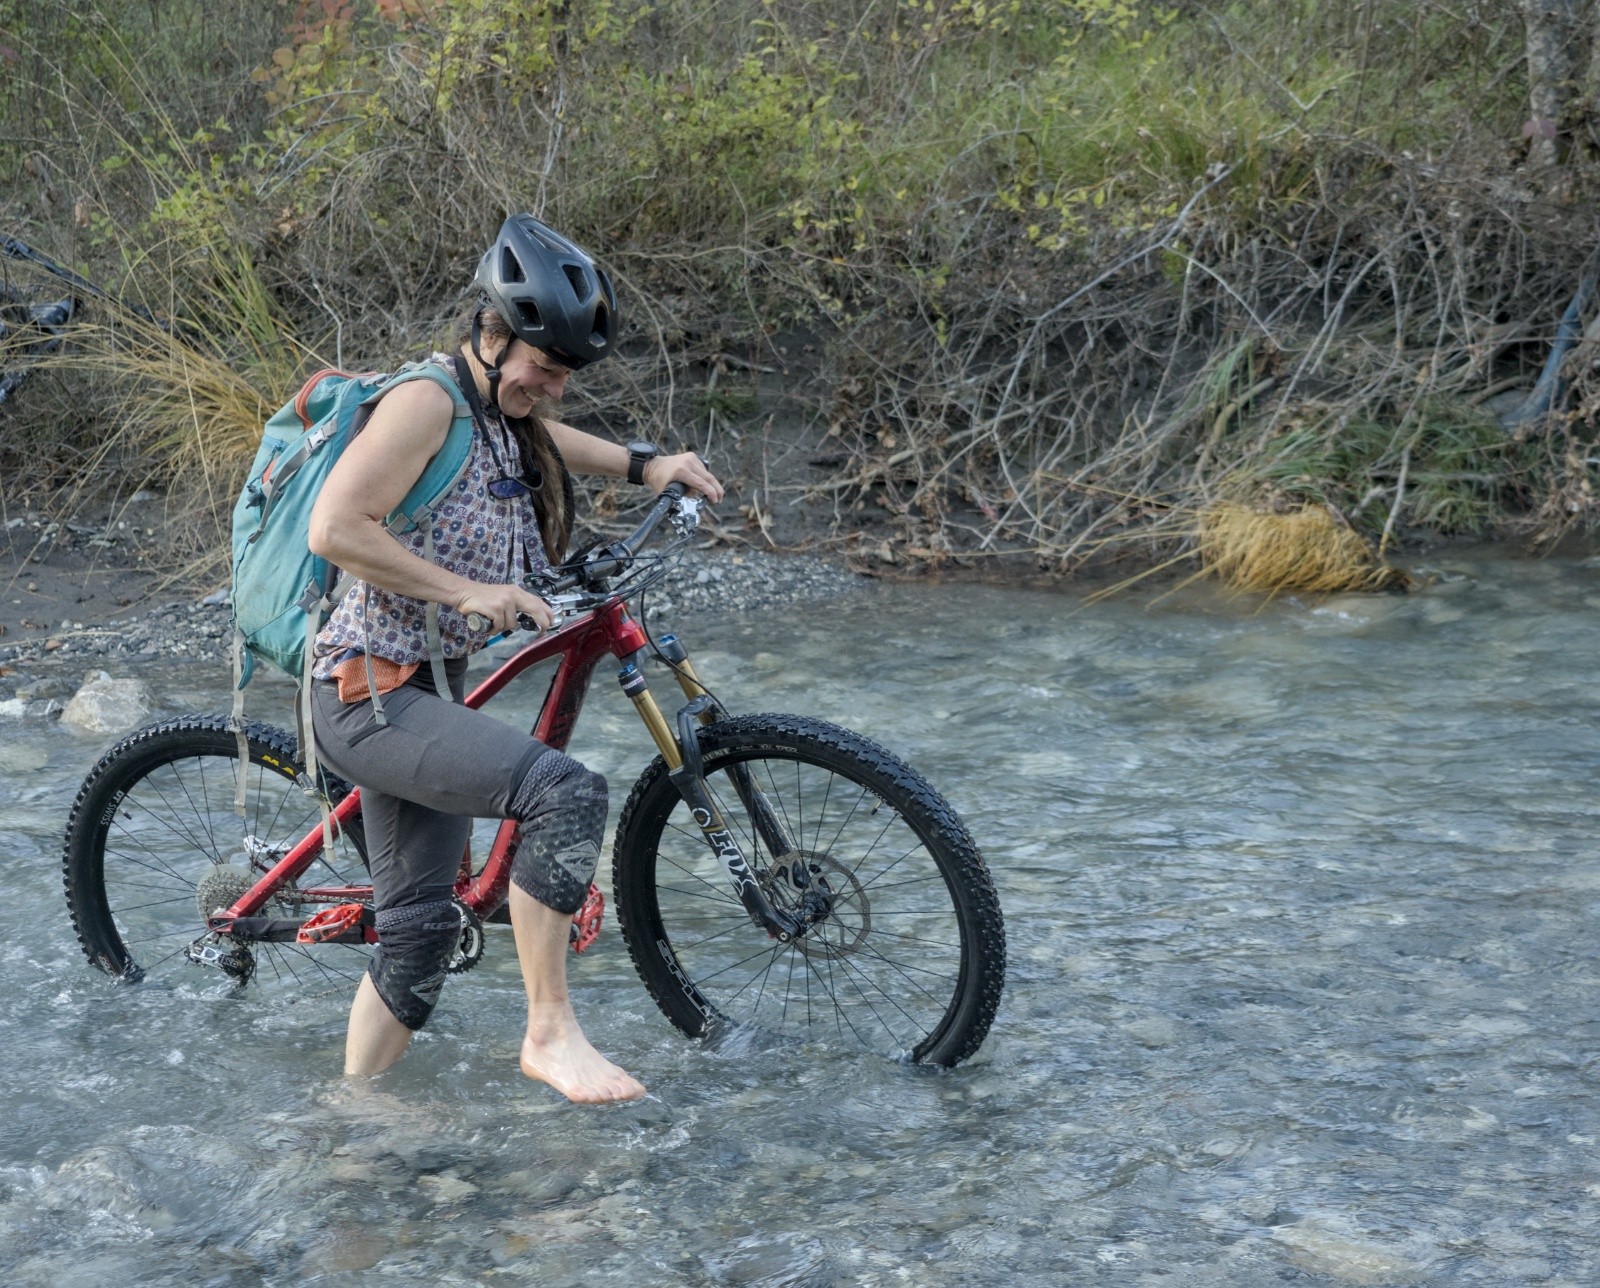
{"x":528,"y":375}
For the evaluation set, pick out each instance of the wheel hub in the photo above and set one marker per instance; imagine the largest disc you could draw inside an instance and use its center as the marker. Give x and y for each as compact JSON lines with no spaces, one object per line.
{"x":827,"y":897}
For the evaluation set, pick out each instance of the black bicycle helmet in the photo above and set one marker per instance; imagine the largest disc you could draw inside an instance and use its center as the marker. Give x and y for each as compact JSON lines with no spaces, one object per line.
{"x":549,"y":291}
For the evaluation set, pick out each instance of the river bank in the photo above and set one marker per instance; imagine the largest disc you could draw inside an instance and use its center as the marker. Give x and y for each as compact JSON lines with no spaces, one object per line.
{"x":93,"y":592}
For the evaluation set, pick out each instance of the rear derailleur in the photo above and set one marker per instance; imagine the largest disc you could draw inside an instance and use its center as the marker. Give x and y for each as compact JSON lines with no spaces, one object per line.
{"x":235,"y":961}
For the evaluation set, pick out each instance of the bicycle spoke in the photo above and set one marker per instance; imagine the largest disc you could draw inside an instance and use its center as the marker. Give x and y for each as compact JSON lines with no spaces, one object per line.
{"x":822,"y":810}
{"x":696,"y":876}
{"x":765,"y":975}
{"x":156,"y":903}
{"x":151,"y":867}
{"x":887,"y":996}
{"x":706,"y":979}
{"x":855,"y":805}
{"x":205,"y":818}
{"x":867,"y":884}
{"x":884,"y":896}
{"x":895,"y":967}
{"x":719,"y":898}
{"x":187,"y":838}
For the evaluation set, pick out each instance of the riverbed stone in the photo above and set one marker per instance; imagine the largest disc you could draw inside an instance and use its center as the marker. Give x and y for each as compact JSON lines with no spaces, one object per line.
{"x":54,"y":686}
{"x":105,"y":705}
{"x":1347,"y":1258}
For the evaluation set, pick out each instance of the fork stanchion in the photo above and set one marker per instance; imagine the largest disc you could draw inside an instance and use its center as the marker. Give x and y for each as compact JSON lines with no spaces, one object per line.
{"x":635,"y":686}
{"x":683,"y":671}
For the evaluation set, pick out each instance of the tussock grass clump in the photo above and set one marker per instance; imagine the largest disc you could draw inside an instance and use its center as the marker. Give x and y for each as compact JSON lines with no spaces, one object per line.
{"x":181,"y":408}
{"x":1305,"y":549}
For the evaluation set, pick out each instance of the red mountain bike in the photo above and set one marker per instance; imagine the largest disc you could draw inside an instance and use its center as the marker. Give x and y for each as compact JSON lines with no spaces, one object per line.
{"x":769,"y":870}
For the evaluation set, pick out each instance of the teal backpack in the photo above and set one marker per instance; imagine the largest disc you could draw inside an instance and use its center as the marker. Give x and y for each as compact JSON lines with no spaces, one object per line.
{"x":282,"y":593}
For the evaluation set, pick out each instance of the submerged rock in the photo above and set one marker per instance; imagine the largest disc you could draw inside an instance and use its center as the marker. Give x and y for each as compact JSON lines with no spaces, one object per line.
{"x":104,"y":705}
{"x":26,"y":709}
{"x":41,"y":690}
{"x":1348,"y":1258}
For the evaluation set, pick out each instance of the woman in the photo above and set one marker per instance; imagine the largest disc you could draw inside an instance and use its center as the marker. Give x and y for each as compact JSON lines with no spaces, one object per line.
{"x":425,"y":764}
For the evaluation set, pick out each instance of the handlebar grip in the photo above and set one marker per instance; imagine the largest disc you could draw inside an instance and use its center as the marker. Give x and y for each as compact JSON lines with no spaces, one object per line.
{"x":478,"y":622}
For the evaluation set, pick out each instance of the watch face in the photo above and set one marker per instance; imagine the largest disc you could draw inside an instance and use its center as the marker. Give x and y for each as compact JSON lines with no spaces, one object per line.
{"x":643,"y":449}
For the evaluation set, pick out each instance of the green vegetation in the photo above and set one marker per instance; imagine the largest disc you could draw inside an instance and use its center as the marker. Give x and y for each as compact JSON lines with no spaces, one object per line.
{"x":1075,"y":268}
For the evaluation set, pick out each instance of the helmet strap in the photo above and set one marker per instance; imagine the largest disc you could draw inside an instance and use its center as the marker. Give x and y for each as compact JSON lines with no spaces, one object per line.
{"x":491,"y":371}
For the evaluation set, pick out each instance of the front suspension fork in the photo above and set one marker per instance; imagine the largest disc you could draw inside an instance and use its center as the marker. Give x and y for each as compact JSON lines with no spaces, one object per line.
{"x":681,"y":751}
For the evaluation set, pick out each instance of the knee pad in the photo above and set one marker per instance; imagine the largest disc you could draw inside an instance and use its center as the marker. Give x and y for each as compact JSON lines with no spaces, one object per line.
{"x":408,"y":970}
{"x":562,"y":809}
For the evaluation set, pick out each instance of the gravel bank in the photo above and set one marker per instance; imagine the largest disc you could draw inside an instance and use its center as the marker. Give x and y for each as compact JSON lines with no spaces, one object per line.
{"x":704,"y":581}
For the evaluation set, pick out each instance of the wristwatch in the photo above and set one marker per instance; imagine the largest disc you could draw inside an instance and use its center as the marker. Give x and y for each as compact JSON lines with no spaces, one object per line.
{"x":640,"y":455}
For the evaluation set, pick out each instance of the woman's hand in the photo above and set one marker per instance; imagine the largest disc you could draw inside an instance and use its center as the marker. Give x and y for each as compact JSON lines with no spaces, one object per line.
{"x":685,"y":468}
{"x":502,"y":604}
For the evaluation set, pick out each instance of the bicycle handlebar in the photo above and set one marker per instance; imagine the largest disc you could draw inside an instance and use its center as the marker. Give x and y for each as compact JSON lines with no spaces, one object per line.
{"x":670,"y":496}
{"x":612,"y":559}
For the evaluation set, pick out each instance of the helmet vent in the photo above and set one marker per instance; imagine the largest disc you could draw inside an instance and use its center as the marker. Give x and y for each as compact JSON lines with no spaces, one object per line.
{"x":579,"y":281}
{"x":528,"y":312}
{"x":511,"y":267}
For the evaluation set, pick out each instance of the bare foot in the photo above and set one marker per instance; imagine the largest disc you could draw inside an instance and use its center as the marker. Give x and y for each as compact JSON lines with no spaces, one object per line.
{"x":561,"y":1056}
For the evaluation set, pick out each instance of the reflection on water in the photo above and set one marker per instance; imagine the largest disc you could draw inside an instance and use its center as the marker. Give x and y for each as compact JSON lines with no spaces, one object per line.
{"x":1301,"y":904}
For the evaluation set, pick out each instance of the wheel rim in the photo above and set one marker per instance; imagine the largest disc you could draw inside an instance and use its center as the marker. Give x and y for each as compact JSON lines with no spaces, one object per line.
{"x":882,"y":963}
{"x":172,"y":832}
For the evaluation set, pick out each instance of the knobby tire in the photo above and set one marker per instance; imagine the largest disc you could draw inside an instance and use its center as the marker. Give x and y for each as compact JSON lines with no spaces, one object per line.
{"x":157,"y":812}
{"x":909,"y":959}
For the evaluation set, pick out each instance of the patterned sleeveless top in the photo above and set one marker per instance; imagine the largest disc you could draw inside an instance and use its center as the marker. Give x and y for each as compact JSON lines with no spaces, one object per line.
{"x":475,"y":535}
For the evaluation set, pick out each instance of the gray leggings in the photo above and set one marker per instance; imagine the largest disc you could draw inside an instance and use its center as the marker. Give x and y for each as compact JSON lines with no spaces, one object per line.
{"x":424,"y":776}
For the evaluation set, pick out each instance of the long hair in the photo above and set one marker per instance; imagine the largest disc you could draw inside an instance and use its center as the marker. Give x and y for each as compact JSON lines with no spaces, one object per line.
{"x":552,"y":500}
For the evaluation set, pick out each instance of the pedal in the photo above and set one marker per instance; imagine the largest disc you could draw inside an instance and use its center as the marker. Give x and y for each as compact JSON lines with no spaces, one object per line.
{"x":332,"y":924}
{"x":468,"y":951}
{"x":586,"y":921}
{"x":236,"y":962}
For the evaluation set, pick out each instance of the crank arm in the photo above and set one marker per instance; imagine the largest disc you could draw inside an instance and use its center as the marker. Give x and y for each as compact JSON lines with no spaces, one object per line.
{"x":278,"y":930}
{"x":692,"y":787}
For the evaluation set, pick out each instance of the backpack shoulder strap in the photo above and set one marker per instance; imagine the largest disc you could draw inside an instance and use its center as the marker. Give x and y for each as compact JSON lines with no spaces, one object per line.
{"x":448,"y":463}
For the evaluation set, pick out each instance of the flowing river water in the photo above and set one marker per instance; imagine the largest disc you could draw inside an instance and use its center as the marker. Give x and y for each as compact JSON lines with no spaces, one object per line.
{"x":1302,"y":903}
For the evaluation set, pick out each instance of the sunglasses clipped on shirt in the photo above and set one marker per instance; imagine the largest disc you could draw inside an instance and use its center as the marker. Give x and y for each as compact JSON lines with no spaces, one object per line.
{"x":508,"y":487}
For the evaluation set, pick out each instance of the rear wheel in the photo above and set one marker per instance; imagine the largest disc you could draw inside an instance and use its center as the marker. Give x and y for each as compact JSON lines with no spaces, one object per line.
{"x":154,"y":846}
{"x":904,"y":949}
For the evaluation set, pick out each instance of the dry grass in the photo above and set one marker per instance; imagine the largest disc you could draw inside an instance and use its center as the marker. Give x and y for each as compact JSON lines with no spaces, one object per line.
{"x":1062,"y":296}
{"x":1307,"y":549}
{"x":189,"y":421}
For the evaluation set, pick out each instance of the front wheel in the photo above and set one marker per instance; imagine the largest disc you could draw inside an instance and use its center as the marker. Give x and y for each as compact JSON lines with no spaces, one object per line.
{"x":903,"y":953}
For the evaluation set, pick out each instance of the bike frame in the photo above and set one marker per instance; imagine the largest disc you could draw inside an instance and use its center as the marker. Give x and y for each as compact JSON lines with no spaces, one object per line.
{"x":581,"y":644}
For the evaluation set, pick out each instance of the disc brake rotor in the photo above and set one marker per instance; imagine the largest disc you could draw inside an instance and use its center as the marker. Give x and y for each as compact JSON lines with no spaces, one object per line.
{"x":827,"y":896}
